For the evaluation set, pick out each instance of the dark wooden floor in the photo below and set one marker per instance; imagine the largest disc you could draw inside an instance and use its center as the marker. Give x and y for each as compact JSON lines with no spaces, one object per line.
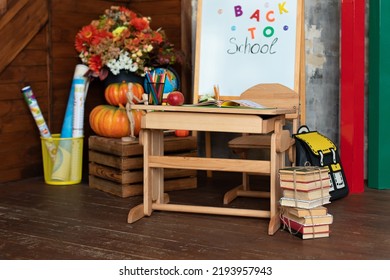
{"x":39,"y":221}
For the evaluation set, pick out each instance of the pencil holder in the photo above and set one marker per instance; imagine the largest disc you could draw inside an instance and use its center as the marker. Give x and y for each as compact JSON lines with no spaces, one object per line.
{"x":64,"y":167}
{"x":155,"y":93}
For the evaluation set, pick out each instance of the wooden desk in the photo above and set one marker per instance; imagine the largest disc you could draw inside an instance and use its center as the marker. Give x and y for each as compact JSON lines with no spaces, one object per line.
{"x":160,"y":118}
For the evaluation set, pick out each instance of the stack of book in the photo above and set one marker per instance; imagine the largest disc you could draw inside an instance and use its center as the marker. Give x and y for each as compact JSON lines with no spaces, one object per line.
{"x":305,"y":191}
{"x":307,"y":223}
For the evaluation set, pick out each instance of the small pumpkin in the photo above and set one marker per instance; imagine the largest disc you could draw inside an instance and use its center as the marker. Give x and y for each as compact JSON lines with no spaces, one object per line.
{"x":115,"y":93}
{"x":112,"y":121}
{"x":182,"y":133}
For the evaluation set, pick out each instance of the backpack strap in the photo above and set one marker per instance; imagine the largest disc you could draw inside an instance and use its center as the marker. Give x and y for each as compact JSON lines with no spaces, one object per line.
{"x":303,"y":129}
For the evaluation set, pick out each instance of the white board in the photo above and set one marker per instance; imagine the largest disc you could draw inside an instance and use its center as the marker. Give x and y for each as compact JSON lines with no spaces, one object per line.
{"x":246,"y":42}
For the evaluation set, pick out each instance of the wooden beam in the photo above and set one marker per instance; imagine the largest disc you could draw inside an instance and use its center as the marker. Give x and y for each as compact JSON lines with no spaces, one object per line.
{"x":186,"y":47}
{"x":212,"y":210}
{"x":215,"y":164}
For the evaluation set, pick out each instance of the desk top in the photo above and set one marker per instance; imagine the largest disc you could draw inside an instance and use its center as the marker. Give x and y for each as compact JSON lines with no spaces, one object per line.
{"x":217,"y":110}
{"x":201,"y":118}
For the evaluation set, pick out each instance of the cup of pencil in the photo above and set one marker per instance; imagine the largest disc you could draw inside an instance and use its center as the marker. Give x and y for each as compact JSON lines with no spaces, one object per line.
{"x":155,"y":88}
{"x":155,"y":93}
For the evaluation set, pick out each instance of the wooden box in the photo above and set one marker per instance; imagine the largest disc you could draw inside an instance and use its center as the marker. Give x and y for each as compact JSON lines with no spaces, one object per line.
{"x":116,"y":166}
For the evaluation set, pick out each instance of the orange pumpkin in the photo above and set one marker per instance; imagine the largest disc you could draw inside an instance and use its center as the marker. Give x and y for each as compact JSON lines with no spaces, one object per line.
{"x":115,"y":93}
{"x":182,"y":133}
{"x":112,"y":121}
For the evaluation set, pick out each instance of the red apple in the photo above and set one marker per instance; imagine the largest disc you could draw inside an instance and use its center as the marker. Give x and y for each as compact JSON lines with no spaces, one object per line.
{"x":175,"y":98}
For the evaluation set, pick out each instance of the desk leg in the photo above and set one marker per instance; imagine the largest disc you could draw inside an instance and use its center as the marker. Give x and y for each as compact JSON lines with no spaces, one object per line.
{"x":144,"y":209}
{"x":148,"y":192}
{"x":276,"y":158}
{"x":153,"y":178}
{"x":208,"y":151}
{"x":136,"y":213}
{"x":157,"y":174}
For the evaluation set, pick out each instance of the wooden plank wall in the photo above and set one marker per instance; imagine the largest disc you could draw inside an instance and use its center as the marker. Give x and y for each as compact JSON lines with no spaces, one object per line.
{"x":19,"y":137}
{"x":48,"y":63}
{"x":3,"y":6}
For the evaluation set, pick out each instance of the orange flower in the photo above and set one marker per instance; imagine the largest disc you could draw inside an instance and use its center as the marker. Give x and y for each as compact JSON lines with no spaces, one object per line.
{"x":128,"y":13}
{"x":123,"y":40}
{"x":99,"y":36}
{"x":95,"y":63}
{"x":85,"y":37}
{"x":140,"y":24}
{"x":157,"y":37}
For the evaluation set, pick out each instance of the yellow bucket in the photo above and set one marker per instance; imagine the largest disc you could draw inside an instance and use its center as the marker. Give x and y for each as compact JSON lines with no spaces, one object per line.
{"x":62,"y":160}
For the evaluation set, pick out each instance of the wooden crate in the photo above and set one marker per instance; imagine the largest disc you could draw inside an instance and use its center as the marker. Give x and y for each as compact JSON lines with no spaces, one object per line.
{"x":116,"y":166}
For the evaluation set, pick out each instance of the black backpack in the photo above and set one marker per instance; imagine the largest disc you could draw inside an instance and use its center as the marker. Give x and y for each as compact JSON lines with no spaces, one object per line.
{"x":315,"y":149}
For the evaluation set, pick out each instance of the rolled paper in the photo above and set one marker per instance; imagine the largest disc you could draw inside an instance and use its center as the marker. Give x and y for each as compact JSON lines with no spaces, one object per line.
{"x":78,"y":78}
{"x":78,"y":109}
{"x":36,"y":112}
{"x":77,"y":132}
{"x":63,"y":160}
{"x":61,"y":169}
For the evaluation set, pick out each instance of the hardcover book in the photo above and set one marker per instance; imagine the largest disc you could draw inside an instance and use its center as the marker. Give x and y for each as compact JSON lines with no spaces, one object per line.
{"x":307,"y":195}
{"x":312,"y":235}
{"x":305,"y":186}
{"x":300,"y":212}
{"x":295,"y":227}
{"x":306,"y":204}
{"x":311,"y":220}
{"x":304,"y":174}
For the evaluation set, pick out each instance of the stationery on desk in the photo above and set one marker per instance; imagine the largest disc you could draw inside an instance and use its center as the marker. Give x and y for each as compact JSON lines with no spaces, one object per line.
{"x":216,"y":92}
{"x":216,"y":101}
{"x":155,"y":89}
{"x":242,"y":103}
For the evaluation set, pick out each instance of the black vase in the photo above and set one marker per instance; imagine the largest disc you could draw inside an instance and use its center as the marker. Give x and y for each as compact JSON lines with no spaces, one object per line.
{"x":123,"y":76}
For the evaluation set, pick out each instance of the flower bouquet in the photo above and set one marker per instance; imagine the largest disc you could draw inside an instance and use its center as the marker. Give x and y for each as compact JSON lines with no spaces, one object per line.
{"x":123,"y":40}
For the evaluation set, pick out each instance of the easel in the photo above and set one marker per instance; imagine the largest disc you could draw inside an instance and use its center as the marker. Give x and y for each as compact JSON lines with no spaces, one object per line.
{"x":220,"y":7}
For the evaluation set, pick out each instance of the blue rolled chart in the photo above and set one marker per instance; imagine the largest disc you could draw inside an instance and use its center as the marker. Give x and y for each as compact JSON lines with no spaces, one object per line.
{"x":64,"y":160}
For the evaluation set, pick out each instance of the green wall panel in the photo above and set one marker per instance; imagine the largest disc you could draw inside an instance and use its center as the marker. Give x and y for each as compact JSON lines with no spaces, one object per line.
{"x":379,"y":95}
